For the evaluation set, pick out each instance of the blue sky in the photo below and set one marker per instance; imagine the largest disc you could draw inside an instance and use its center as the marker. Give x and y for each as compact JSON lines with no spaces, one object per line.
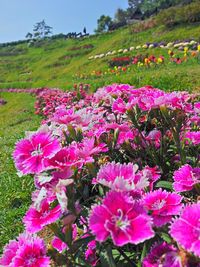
{"x":17,"y":17}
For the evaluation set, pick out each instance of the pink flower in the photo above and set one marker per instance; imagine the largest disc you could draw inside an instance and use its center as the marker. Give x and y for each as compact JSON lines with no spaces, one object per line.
{"x":35,"y":220}
{"x":151,"y":174}
{"x":121,"y":218}
{"x":88,"y":148}
{"x":90,"y":254}
{"x":9,"y":253}
{"x":58,"y":244}
{"x":119,"y":106}
{"x":185,"y":178}
{"x":154,"y":137}
{"x":66,"y":157}
{"x":28,"y":251}
{"x":164,"y":255}
{"x":162,"y":205}
{"x":121,"y":177}
{"x":31,"y":154}
{"x":186,"y":229}
{"x":194,"y":137}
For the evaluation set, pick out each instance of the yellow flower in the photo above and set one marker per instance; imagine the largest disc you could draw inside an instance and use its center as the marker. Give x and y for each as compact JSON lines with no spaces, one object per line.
{"x":186,"y":49}
{"x":198,"y":48}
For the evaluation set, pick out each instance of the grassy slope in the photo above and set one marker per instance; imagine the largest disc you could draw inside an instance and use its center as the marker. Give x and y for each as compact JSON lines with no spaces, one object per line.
{"x":40,"y":62}
{"x":17,"y":116}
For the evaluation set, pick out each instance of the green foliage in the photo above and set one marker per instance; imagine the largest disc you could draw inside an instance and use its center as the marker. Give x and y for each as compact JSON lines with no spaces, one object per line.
{"x":179,"y":15}
{"x":103,"y":24}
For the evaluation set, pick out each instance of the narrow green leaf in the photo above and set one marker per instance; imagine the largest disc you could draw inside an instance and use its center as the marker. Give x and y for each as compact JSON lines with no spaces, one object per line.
{"x":164,"y":184}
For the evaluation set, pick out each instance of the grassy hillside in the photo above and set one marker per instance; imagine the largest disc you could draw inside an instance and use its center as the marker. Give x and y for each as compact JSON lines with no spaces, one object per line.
{"x":54,"y":63}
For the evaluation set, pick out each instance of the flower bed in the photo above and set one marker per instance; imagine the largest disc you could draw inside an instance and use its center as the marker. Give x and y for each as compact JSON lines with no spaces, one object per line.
{"x":117,"y":180}
{"x":190,"y":44}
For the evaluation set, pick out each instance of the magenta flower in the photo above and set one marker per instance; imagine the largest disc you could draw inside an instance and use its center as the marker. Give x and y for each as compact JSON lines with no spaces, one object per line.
{"x":28,"y":251}
{"x":9,"y":253}
{"x":121,"y":218}
{"x":35,"y":220}
{"x":30,"y":154}
{"x":152,"y":174}
{"x":186,"y":229}
{"x":194,"y":137}
{"x":162,"y":205}
{"x":58,"y":244}
{"x":66,"y":157}
{"x":121,"y":177}
{"x":90,"y":254}
{"x":164,"y":255}
{"x":119,"y":106}
{"x":185,"y":178}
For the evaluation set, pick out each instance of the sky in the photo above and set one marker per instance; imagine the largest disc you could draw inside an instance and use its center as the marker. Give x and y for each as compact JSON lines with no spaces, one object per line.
{"x":17,"y":17}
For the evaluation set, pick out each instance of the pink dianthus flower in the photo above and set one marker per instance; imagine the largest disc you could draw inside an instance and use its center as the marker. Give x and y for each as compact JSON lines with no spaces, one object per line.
{"x":162,"y":205}
{"x":30,"y":154}
{"x":164,"y":255}
{"x":185,"y":178}
{"x":121,"y":218}
{"x":121,"y":177}
{"x":35,"y":220}
{"x":27,"y":251}
{"x":186,"y":229}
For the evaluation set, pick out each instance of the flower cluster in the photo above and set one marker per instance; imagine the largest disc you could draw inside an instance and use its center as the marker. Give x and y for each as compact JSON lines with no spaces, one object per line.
{"x":116,"y":176}
{"x":120,"y":65}
{"x":192,"y":44}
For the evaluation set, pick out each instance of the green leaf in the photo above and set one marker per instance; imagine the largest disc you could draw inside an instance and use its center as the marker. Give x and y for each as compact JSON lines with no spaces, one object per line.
{"x":164,"y":184}
{"x":110,"y":257}
{"x":166,"y":237}
{"x":78,"y":243}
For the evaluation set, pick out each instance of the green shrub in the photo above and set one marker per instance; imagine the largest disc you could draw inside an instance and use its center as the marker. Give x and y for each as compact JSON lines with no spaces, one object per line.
{"x":179,"y":15}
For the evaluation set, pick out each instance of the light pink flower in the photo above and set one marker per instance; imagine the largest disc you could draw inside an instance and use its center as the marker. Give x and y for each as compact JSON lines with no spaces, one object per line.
{"x":186,"y":229}
{"x":185,"y":178}
{"x":162,"y":205}
{"x":121,"y":218}
{"x":27,"y":251}
{"x":35,"y":220}
{"x":88,"y":148}
{"x":164,"y":255}
{"x":30,"y":154}
{"x":121,"y":177}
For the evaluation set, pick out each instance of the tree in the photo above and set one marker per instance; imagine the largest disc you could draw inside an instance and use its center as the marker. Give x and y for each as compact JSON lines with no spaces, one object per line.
{"x":121,"y":16}
{"x":40,"y":31}
{"x":103,"y":23}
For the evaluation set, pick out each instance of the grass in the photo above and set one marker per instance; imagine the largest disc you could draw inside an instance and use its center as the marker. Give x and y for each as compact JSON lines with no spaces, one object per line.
{"x":16,"y":117}
{"x":54,"y":64}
